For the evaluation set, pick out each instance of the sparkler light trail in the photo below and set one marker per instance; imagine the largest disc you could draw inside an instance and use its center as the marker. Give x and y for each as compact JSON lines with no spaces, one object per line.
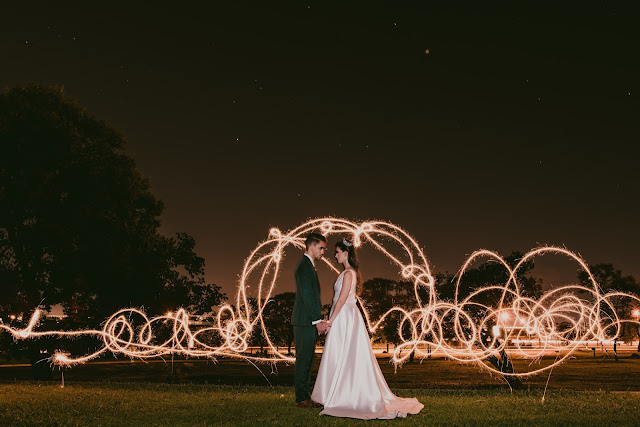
{"x":562,"y":319}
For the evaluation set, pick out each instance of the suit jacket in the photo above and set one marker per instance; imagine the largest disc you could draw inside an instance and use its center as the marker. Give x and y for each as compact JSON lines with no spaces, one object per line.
{"x":307,"y":307}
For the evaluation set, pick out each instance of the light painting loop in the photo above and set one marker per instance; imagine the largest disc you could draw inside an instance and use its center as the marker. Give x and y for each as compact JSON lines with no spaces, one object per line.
{"x":562,"y":320}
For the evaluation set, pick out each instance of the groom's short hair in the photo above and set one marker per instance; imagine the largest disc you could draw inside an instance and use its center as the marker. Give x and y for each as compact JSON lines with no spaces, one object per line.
{"x":314,"y":238}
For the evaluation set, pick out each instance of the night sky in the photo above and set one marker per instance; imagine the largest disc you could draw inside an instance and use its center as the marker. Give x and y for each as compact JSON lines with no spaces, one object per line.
{"x":473,"y":128}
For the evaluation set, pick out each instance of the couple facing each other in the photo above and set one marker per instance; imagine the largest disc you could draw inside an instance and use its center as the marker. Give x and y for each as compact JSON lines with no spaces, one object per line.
{"x":349,"y":381}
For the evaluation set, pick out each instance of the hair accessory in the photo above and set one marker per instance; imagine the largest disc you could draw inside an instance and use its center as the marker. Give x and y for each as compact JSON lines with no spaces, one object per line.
{"x":347,"y":243}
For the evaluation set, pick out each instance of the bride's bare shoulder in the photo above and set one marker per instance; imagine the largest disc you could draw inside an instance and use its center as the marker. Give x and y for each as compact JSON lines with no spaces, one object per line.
{"x":350,"y":272}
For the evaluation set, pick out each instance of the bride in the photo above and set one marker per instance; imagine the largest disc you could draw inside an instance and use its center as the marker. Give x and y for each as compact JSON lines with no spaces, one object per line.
{"x":350,"y":382}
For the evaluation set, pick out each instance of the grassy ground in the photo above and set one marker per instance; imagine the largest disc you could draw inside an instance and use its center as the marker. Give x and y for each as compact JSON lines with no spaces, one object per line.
{"x":191,"y":404}
{"x":584,"y":390}
{"x":584,"y":372}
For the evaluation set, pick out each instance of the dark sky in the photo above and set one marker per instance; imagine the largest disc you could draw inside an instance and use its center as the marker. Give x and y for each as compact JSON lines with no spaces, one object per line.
{"x":518,"y":127}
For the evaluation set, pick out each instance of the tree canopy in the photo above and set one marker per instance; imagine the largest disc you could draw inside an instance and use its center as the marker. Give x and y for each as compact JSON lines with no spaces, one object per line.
{"x":79,"y":223}
{"x":491,"y":274}
{"x":277,"y":318}
{"x":611,"y":279}
{"x":379,"y":296}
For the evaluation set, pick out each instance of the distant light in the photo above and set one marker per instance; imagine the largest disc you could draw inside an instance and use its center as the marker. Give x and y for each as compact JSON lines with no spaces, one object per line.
{"x":234,"y":324}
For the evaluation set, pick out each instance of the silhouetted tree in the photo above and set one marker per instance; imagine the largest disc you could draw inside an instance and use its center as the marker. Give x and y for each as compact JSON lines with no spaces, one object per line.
{"x":379,"y":296}
{"x":490,"y":274}
{"x":277,"y":318}
{"x":610,"y":279}
{"x":326,"y":310}
{"x":79,"y":223}
{"x":257,"y":337}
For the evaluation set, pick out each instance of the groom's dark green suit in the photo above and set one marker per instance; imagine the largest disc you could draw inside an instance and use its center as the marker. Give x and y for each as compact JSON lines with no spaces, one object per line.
{"x":307,"y":309}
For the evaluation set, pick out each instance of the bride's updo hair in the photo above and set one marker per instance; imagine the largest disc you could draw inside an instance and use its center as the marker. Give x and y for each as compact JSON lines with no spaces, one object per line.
{"x":347,"y":246}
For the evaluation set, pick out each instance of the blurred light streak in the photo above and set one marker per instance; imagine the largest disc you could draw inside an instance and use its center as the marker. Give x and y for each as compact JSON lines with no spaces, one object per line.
{"x":558,"y":321}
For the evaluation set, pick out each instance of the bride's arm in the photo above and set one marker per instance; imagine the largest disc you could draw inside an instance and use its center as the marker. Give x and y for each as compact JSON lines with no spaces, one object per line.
{"x":347,"y":282}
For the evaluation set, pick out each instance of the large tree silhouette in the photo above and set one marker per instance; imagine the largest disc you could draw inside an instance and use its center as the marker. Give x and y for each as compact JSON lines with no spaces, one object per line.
{"x":491,"y":274}
{"x":380,"y":295}
{"x":277,"y":318}
{"x":79,"y":223}
{"x":611,"y":279}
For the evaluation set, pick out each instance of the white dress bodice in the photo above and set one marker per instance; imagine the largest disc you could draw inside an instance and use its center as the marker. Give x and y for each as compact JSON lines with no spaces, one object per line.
{"x":337,"y":287}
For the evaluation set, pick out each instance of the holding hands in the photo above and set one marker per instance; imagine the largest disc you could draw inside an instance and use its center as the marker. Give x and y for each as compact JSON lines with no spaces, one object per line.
{"x":323,"y":326}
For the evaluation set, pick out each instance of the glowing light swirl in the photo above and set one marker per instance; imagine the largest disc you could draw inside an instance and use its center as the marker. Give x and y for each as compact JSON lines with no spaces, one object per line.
{"x":431,"y":324}
{"x":521,"y":318}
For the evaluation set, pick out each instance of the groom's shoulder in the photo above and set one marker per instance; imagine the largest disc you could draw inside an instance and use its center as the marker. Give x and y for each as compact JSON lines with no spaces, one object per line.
{"x":304,"y":261}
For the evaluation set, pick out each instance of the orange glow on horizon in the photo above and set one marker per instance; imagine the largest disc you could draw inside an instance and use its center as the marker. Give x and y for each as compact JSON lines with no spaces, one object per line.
{"x":559,"y":320}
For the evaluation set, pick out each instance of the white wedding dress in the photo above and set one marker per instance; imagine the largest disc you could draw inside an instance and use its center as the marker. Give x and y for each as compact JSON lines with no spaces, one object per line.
{"x":350,"y":382}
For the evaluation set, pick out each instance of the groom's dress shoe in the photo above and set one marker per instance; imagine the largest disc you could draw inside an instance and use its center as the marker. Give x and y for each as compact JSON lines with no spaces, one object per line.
{"x":308,"y":404}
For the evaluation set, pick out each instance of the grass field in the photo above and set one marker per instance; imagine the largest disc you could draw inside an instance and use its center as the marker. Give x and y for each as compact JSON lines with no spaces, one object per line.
{"x":583,"y":372}
{"x":190,"y":404}
{"x":585,"y":390}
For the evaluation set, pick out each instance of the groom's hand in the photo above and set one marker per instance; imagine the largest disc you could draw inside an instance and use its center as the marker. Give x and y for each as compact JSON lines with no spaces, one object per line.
{"x":322,"y":327}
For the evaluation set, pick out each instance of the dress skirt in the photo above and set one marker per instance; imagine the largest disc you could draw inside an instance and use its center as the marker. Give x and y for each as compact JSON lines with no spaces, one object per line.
{"x":350,"y":382}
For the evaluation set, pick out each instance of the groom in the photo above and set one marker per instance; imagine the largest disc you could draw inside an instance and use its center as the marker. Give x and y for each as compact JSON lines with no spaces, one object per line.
{"x":307,"y":318}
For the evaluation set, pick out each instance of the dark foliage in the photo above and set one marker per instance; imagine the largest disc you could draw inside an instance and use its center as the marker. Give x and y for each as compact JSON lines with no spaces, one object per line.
{"x":79,"y":223}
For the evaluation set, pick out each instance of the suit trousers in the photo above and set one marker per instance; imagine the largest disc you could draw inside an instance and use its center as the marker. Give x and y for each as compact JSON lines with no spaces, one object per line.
{"x":305,"y":341}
